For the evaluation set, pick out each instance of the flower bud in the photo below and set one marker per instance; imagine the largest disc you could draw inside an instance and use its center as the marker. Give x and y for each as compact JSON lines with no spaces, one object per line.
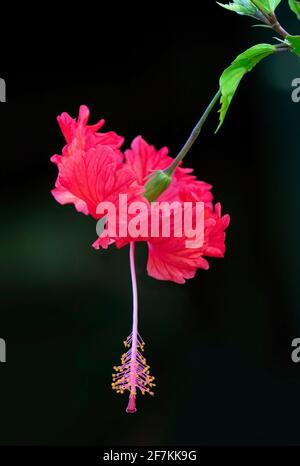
{"x":158,"y":182}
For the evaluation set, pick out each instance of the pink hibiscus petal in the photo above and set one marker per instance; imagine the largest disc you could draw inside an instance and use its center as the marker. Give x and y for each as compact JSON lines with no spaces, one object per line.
{"x":143,"y":159}
{"x":171,"y":260}
{"x":96,"y":176}
{"x":81,"y":136}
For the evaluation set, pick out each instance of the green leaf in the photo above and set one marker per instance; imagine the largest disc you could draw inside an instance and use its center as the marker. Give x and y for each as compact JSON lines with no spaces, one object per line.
{"x":294,"y":41}
{"x":295,"y":7}
{"x":274,"y":4}
{"x":232,"y":76}
{"x":255,"y":8}
{"x":242,"y":7}
{"x":266,"y":6}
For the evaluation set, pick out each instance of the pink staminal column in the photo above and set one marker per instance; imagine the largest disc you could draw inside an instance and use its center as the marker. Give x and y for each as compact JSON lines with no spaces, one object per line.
{"x":133,"y":373}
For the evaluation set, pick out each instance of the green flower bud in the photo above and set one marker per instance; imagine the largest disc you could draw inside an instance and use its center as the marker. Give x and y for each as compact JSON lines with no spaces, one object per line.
{"x":158,"y":182}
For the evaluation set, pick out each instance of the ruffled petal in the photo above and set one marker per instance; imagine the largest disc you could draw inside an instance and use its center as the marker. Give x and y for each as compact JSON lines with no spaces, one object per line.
{"x":215,"y":226}
{"x":64,"y":197}
{"x":143,"y":159}
{"x":96,"y":176}
{"x":169,"y":259}
{"x":81,"y":136}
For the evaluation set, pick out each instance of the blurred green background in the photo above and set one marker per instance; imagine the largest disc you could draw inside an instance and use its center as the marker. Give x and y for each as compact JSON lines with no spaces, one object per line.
{"x":220,"y":345}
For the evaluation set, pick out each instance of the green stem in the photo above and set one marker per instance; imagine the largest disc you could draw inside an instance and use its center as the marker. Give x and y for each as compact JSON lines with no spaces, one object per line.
{"x":279,"y":29}
{"x":270,"y":18}
{"x":283,"y":48}
{"x":194,"y":135}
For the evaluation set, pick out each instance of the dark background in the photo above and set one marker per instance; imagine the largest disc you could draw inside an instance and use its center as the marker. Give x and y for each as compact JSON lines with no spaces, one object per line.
{"x":220,"y":345}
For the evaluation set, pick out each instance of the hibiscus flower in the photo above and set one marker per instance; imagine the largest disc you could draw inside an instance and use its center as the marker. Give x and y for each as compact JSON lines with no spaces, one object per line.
{"x":92,"y":170}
